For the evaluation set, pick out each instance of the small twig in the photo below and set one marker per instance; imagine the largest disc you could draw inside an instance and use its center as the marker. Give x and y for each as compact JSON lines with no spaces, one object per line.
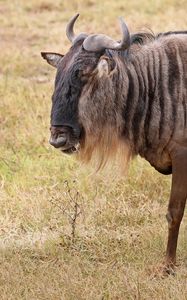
{"x":72,"y":210}
{"x":74,"y":219}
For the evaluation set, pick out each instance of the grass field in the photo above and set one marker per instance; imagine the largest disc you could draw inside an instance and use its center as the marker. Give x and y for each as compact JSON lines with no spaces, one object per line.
{"x":65,"y":232}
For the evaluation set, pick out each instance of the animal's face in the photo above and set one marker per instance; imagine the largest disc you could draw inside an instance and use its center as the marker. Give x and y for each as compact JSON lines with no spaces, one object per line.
{"x":75,"y":70}
{"x":78,"y":72}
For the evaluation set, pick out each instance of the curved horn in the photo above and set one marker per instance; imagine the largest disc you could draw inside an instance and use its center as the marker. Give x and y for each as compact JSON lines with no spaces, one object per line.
{"x":99,"y":42}
{"x":69,"y":28}
{"x":125,"y":42}
{"x":70,"y":32}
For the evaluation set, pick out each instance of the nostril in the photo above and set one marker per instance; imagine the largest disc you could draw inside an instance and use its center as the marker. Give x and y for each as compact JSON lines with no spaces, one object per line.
{"x":59,"y":142}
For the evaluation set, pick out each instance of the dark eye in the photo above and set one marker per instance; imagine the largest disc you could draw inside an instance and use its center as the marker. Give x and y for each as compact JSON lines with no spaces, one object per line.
{"x":73,"y":90}
{"x":77,"y":73}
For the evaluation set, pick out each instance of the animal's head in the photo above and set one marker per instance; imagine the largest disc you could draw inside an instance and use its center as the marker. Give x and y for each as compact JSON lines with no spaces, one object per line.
{"x":85,"y":114}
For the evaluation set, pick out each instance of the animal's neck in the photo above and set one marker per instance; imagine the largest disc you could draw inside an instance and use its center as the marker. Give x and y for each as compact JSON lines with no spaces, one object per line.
{"x":144,"y":103}
{"x":138,"y":104}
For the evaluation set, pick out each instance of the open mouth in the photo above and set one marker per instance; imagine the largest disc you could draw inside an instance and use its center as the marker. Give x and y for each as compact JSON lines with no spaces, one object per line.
{"x":71,"y":150}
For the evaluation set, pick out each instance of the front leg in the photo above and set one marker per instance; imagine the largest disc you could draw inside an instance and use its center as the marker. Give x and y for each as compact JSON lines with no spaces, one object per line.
{"x":177,"y":202}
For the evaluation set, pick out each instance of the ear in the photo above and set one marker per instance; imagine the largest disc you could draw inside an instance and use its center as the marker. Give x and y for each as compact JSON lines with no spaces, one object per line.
{"x":103,"y":67}
{"x":52,"y":58}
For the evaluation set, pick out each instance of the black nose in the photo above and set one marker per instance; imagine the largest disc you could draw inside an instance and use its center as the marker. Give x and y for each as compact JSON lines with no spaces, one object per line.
{"x":58,"y":142}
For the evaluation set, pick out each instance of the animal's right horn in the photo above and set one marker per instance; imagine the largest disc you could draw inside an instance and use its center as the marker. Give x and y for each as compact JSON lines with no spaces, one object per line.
{"x":70,"y":32}
{"x":99,"y":42}
{"x":69,"y":28}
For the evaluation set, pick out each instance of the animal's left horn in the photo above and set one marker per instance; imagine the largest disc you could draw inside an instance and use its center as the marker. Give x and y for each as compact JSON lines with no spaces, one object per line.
{"x":125,"y":42}
{"x":99,"y":42}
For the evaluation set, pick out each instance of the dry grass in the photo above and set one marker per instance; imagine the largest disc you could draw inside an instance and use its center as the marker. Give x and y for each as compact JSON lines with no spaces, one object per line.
{"x":120,"y":233}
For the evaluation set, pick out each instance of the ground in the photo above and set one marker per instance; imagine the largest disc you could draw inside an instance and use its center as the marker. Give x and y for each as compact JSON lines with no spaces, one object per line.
{"x":66,"y":232}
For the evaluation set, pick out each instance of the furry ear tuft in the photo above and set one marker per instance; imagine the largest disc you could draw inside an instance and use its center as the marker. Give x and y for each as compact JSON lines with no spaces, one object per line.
{"x":103,"y":67}
{"x":52,"y":58}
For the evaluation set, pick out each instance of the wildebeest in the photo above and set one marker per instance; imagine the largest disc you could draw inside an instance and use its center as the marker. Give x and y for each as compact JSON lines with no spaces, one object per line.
{"x":130,"y":94}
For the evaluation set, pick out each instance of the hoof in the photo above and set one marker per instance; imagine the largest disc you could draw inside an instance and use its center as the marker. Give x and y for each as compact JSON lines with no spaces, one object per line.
{"x":162,"y":270}
{"x":169,"y":270}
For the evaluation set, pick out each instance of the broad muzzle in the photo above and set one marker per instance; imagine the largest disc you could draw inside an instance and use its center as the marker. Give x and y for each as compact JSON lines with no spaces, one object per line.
{"x":63,"y":138}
